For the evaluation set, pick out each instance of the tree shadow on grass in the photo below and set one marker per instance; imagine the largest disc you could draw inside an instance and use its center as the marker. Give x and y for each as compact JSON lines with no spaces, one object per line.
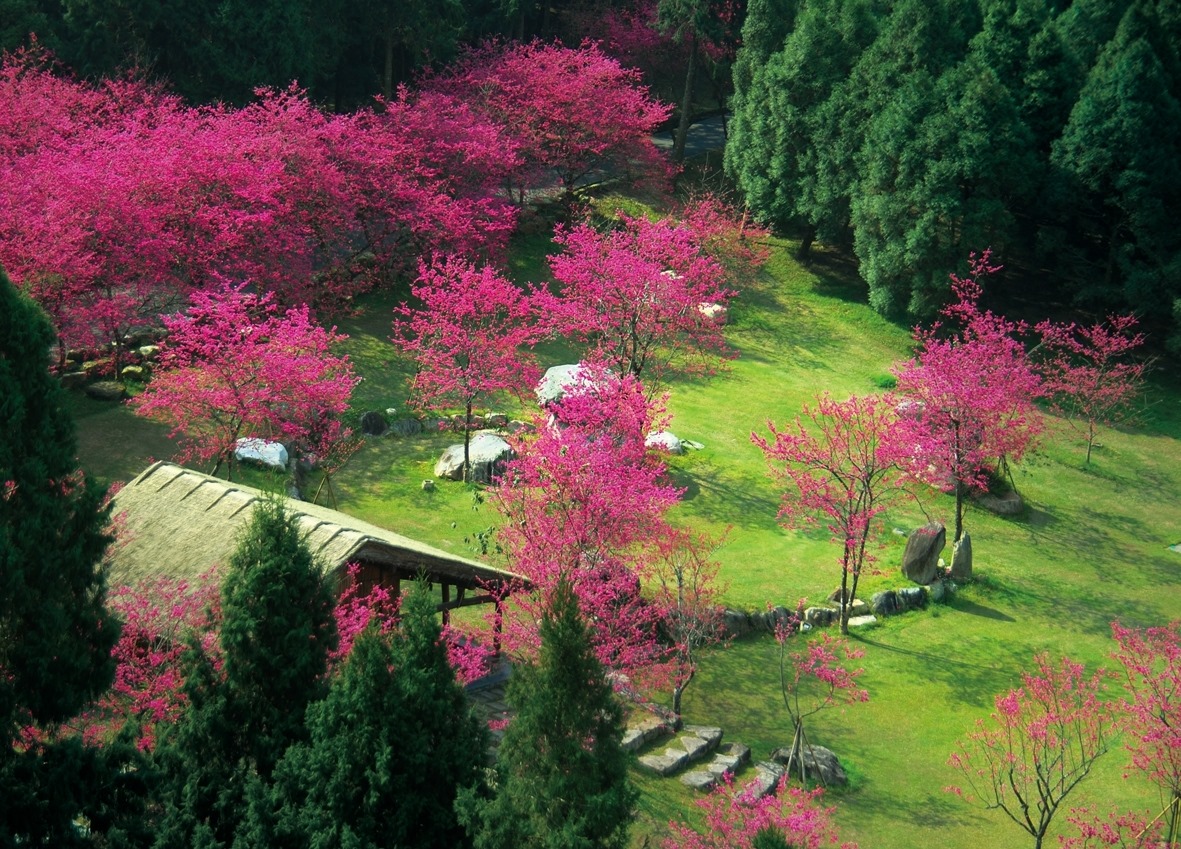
{"x":969,"y":683}
{"x":975,"y":609}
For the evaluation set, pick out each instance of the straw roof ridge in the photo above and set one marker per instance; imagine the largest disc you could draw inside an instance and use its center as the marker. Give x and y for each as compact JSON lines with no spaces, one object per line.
{"x":181,"y":522}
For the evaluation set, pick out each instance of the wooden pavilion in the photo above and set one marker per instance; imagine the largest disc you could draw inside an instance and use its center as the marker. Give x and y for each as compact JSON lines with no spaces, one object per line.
{"x":179,"y":523}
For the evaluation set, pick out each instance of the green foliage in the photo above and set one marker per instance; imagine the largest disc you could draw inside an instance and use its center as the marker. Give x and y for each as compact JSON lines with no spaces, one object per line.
{"x":244,"y":713}
{"x":561,"y":776}
{"x":388,"y":748}
{"x":56,"y":633}
{"x":1120,"y":156}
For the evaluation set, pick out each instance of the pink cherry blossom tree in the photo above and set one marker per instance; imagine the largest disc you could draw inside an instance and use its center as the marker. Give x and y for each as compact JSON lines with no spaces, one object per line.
{"x":813,"y":678}
{"x":467,"y":338}
{"x":585,"y":503}
{"x":159,"y":618}
{"x":1040,"y":742}
{"x":839,"y":465}
{"x":970,"y":394}
{"x":1151,"y":661}
{"x":1086,"y":375}
{"x":569,"y":110}
{"x":639,"y":295}
{"x":737,"y":819}
{"x":310,"y":206}
{"x":1127,"y":830}
{"x":233,"y":366}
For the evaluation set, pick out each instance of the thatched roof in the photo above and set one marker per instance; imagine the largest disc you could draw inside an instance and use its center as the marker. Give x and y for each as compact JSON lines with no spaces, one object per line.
{"x":179,"y":523}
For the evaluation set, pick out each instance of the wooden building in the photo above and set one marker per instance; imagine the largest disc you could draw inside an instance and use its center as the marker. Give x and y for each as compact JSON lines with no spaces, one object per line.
{"x":179,"y":524}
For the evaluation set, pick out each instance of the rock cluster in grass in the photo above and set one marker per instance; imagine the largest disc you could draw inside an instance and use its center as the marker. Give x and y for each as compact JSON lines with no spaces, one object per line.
{"x":739,"y":623}
{"x":889,"y":602}
{"x":694,"y":743}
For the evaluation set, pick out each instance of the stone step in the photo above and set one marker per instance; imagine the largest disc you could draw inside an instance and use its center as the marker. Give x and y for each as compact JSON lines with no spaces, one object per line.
{"x":728,"y":760}
{"x":643,"y":732}
{"x":767,"y":776}
{"x":691,"y":745}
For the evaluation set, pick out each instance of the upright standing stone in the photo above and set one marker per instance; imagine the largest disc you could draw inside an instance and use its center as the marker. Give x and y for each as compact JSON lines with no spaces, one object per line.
{"x":920,"y":561}
{"x":961,"y":559}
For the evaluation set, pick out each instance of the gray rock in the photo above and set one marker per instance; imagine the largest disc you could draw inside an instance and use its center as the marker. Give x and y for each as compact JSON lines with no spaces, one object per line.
{"x":820,"y":764}
{"x":374,"y":423}
{"x":912,"y":598}
{"x":736,"y":623}
{"x":428,"y":485}
{"x":938,"y":591}
{"x":689,"y":443}
{"x":643,"y":732}
{"x":148,"y":352}
{"x":74,"y":379}
{"x":667,"y":762}
{"x":695,"y":746}
{"x":777,"y":617}
{"x":106,"y":390}
{"x":518,"y":426}
{"x":701,"y":780}
{"x":556,"y":381}
{"x":663,"y":440}
{"x":487,"y":452}
{"x":406,"y":427}
{"x":859,"y":607}
{"x":730,"y":758}
{"x":961,"y":559}
{"x":862,"y":621}
{"x":885,"y":603}
{"x":710,"y":311}
{"x":819,"y":616}
{"x":920,"y":561}
{"x":252,"y":449}
{"x":136,"y":373}
{"x":497,"y":420}
{"x":708,"y":734}
{"x":767,"y":776}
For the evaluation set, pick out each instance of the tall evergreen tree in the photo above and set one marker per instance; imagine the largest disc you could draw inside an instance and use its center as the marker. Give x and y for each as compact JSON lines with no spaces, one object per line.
{"x":1121,"y":156}
{"x":246,"y":710}
{"x":56,"y":633}
{"x":561,"y":776}
{"x":388,"y":748}
{"x":771,"y":152}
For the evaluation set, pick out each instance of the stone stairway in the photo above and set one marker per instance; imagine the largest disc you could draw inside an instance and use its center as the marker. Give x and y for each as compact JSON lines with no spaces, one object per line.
{"x":699,"y":758}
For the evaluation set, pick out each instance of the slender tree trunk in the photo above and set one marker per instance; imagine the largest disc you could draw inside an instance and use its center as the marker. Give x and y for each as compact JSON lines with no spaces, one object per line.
{"x":467,"y":442}
{"x":686,"y":103}
{"x":387,"y":77}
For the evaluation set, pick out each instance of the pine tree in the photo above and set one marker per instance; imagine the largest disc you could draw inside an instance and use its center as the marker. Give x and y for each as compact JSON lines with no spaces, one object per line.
{"x":276,"y":633}
{"x":561,"y":776}
{"x":389,"y":748}
{"x":56,"y":633}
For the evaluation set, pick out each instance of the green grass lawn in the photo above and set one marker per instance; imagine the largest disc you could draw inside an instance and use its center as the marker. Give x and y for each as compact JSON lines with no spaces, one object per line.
{"x":1092,"y":547}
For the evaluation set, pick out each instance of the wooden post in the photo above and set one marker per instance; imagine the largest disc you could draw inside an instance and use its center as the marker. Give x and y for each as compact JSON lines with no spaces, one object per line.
{"x":446,"y":588}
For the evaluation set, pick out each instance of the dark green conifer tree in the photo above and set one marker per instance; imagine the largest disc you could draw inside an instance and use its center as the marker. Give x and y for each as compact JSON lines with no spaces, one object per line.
{"x":388,"y":749}
{"x":561,"y":776}
{"x":1120,"y":157}
{"x":56,"y":633}
{"x":276,"y":633}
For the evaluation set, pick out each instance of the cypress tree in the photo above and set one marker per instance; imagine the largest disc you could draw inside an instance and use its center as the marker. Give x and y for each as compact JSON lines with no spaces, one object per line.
{"x":561,"y":775}
{"x":276,"y":633}
{"x":56,"y":633}
{"x":389,"y":748}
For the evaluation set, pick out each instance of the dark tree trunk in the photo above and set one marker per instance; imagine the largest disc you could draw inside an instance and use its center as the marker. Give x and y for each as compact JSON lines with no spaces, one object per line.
{"x":686,"y":103}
